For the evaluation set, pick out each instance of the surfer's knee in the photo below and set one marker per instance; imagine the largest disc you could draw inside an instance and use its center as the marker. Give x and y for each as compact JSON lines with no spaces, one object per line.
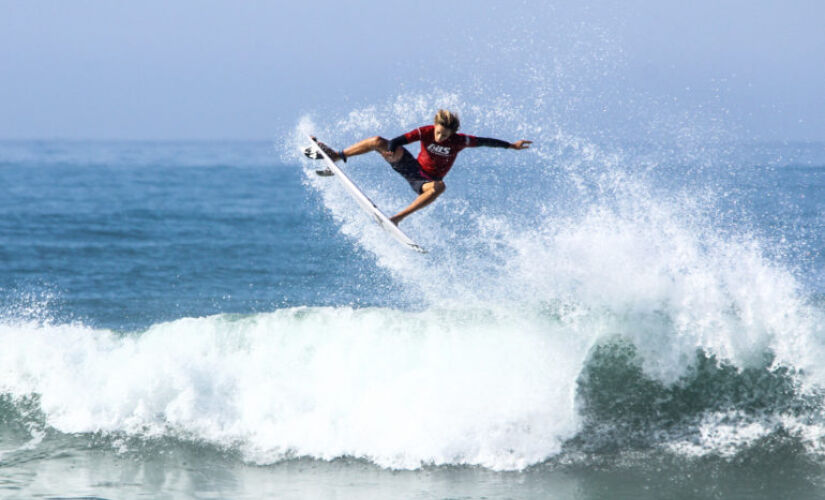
{"x":439,"y":187}
{"x":378,"y":143}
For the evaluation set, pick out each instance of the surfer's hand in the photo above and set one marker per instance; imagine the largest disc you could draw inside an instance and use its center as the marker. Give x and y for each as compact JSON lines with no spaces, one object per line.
{"x":521,"y":144}
{"x":388,"y":155}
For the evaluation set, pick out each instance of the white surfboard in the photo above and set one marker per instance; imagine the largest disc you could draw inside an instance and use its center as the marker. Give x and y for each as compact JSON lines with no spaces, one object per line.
{"x":367,"y":204}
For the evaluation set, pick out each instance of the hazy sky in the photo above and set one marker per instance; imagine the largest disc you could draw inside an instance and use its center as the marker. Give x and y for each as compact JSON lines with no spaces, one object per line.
{"x":192,"y":69}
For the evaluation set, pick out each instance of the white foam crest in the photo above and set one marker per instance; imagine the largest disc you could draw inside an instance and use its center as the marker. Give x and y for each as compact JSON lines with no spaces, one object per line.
{"x":401,"y":389}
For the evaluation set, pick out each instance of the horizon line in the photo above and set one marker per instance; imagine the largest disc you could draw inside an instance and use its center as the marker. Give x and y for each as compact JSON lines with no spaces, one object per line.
{"x":133,"y":139}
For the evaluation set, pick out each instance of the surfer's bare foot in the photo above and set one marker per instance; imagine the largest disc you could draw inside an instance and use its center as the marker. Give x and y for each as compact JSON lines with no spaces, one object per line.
{"x":395,"y":219}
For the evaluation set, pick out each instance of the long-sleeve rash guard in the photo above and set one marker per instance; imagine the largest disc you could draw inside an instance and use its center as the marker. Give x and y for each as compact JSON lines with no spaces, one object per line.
{"x":436,"y":158}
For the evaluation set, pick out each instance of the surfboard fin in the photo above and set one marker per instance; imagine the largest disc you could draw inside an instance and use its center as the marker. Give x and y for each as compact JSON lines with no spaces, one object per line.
{"x":324,"y":173}
{"x":312,"y":153}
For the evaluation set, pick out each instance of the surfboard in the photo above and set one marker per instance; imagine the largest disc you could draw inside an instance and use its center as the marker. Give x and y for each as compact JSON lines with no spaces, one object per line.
{"x":365,"y":203}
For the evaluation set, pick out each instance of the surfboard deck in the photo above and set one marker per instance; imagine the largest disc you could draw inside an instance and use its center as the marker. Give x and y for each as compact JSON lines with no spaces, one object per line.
{"x":364,"y":202}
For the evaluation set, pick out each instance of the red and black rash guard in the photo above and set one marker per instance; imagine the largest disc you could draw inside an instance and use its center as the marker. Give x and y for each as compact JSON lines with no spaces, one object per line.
{"x":436,"y":158}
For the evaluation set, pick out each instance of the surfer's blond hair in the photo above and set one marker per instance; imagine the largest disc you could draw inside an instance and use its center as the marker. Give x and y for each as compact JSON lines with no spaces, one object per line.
{"x":447,"y":119}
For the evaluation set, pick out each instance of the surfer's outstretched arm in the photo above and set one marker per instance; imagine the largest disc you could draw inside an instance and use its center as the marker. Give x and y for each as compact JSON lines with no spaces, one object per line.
{"x":498,"y":143}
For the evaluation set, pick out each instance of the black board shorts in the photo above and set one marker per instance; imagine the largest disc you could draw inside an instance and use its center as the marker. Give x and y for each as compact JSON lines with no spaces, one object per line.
{"x":410,"y":169}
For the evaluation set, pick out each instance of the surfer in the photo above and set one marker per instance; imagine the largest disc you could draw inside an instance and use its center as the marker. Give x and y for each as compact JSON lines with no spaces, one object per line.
{"x":440,"y":144}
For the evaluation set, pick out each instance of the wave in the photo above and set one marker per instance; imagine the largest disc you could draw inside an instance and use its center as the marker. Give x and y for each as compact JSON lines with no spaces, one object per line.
{"x":504,"y":389}
{"x":401,"y":389}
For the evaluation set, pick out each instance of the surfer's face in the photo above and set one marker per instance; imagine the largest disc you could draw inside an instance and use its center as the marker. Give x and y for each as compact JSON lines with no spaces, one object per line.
{"x":442,"y":133}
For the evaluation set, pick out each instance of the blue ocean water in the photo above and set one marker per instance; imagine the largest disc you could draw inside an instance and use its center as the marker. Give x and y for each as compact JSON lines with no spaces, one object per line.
{"x":122,"y":236}
{"x":206,"y":319}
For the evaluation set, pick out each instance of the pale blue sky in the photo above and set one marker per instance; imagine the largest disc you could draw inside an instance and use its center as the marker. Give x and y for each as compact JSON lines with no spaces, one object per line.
{"x":190,"y":69}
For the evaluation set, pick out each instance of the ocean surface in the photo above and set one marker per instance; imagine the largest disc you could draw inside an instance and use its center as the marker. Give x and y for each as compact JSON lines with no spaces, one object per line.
{"x":213,"y":320}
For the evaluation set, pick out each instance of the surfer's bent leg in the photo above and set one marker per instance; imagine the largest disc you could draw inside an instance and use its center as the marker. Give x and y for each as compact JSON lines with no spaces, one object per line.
{"x":429,"y":192}
{"x":376,"y":143}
